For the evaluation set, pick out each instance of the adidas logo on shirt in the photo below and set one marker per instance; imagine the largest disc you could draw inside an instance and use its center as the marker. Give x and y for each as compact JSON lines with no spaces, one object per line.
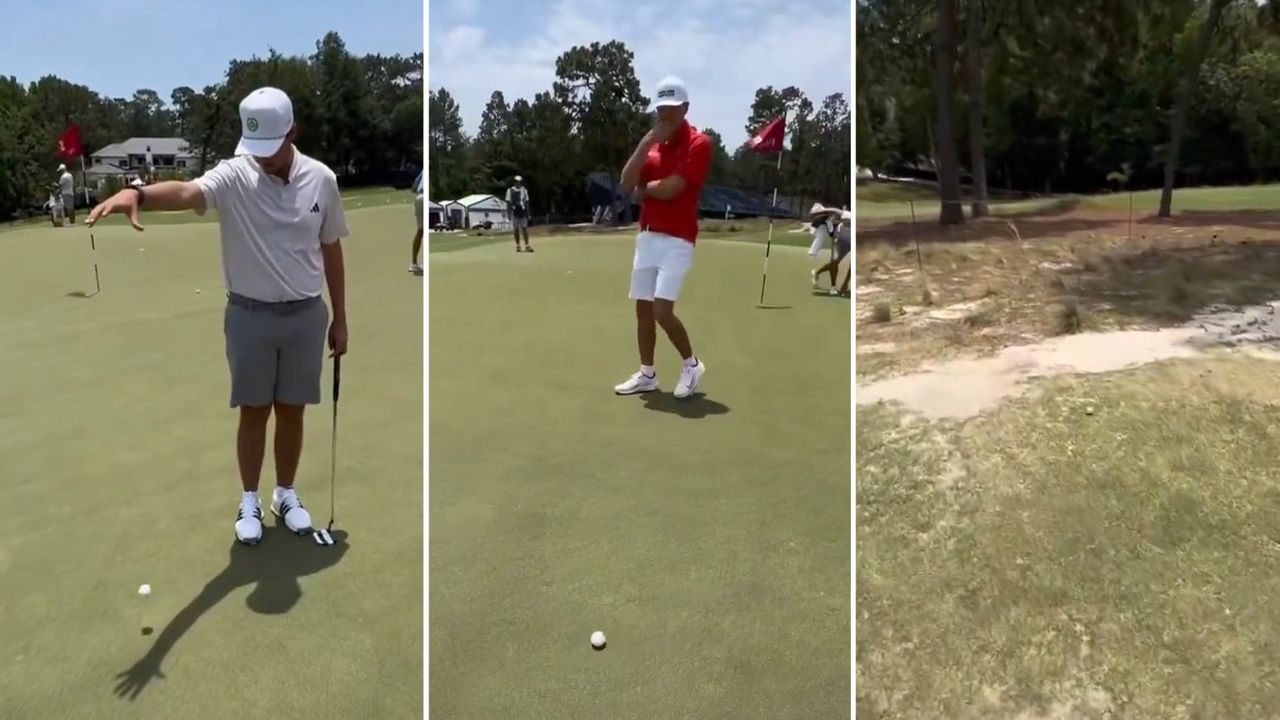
{"x":315,"y":208}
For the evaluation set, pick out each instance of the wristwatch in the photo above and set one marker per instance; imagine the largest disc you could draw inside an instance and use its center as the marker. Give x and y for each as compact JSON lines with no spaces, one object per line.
{"x":139,"y":191}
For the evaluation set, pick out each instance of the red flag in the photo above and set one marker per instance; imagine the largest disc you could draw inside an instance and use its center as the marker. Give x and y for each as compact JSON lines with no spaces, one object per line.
{"x":769,"y":139}
{"x":69,"y":147}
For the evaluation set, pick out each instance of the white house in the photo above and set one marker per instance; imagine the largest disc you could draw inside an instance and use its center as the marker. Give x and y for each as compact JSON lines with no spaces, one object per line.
{"x":485,"y":208}
{"x":129,"y":158}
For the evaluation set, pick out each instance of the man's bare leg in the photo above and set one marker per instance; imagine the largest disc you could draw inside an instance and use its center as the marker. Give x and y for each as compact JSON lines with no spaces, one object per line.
{"x":664,"y":312}
{"x":251,"y":444}
{"x":516,"y":232}
{"x":288,"y":446}
{"x":646,"y":331}
{"x":417,"y":245}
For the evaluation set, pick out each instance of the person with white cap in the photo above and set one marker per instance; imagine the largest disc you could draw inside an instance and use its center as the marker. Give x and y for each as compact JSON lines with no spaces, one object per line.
{"x":666,"y":171}
{"x":518,"y":212}
{"x":67,"y":189}
{"x":280,"y":220}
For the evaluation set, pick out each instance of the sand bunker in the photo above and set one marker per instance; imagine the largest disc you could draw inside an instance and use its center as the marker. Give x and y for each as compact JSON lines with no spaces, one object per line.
{"x":965,"y":388}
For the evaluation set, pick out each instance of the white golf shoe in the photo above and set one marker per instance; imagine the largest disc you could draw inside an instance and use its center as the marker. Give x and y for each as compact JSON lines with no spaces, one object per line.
{"x":286,"y":505}
{"x":638,"y":383}
{"x":690,"y":376}
{"x":249,"y":520}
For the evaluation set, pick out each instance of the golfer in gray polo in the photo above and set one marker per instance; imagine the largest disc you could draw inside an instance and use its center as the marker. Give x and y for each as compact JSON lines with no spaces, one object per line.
{"x":280,"y":220}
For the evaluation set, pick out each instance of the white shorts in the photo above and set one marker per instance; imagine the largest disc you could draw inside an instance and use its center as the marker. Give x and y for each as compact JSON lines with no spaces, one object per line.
{"x":660,"y":265}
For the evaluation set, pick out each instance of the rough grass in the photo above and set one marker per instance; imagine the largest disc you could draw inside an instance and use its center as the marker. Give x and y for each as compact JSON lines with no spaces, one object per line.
{"x":1109,"y":548}
{"x":1031,"y":290}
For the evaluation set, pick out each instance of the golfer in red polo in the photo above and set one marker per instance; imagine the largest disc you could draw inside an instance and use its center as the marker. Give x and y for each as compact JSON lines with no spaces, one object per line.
{"x":666,"y":171}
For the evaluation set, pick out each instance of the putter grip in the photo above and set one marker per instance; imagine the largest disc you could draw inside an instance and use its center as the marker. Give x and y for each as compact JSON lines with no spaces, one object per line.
{"x":337,"y":377}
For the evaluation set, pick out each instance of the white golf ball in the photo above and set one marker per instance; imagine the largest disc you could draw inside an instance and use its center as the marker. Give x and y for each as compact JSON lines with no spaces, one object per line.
{"x":144,"y":590}
{"x":597,"y":639}
{"x":197,"y":291}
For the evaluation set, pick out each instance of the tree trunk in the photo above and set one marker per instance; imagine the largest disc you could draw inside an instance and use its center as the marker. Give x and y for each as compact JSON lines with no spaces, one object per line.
{"x":952,"y":212}
{"x":1178,"y":123}
{"x":933,"y":146}
{"x":973,"y":66}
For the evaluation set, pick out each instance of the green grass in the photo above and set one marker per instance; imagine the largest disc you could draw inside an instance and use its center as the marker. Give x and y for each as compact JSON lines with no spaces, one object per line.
{"x":891,"y":200}
{"x":707,"y":538}
{"x":1250,"y":197}
{"x":119,"y":469}
{"x":754,"y":231}
{"x":1048,"y":561}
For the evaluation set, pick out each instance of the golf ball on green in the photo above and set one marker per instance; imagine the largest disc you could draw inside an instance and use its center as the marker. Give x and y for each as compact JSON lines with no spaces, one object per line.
{"x":144,"y":590}
{"x":597,"y":639}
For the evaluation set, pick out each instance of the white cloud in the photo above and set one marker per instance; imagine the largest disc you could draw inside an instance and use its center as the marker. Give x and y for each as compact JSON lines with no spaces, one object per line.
{"x":724,"y":52}
{"x":465,"y":8}
{"x":461,"y":42}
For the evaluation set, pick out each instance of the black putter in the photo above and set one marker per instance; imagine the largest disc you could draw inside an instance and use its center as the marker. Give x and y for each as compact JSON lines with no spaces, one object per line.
{"x":93,"y":249}
{"x":325,"y":536}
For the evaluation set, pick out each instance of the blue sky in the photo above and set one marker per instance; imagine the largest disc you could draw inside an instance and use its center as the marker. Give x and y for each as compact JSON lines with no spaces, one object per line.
{"x":117,"y":47}
{"x":722,"y":50}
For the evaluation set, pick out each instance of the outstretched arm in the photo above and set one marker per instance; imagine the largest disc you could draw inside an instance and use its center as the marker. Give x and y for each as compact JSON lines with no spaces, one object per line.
{"x":170,"y":195}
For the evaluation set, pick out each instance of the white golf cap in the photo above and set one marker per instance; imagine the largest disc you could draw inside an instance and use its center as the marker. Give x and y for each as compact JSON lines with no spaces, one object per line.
{"x":671,"y":91}
{"x":266,"y":116}
{"x":519,"y":179}
{"x":62,"y":167}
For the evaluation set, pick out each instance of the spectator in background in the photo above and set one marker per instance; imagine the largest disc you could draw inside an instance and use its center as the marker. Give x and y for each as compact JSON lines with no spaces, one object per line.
{"x":844,"y":245}
{"x":67,"y":189}
{"x":823,"y":221}
{"x":415,"y":266}
{"x":518,"y":212}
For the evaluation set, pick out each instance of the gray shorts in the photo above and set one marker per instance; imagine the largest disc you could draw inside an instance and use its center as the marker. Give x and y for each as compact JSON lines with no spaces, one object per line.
{"x":275,"y":351}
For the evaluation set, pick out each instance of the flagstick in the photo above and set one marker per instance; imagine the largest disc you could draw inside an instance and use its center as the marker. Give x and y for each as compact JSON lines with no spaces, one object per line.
{"x":764,"y":274}
{"x":84,"y":185}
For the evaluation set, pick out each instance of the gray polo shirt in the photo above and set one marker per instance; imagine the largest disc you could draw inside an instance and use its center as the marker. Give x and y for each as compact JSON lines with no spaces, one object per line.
{"x":271,"y":230}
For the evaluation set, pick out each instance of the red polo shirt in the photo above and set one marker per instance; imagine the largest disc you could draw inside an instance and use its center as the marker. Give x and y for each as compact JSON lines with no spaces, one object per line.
{"x":686,"y":154}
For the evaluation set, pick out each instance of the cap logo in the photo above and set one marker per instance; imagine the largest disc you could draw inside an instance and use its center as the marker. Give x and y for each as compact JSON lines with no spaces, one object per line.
{"x":252,"y":124}
{"x":666,"y":93}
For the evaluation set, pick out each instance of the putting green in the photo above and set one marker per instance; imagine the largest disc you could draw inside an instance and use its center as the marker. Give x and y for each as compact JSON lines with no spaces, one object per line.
{"x":119,"y":469}
{"x":708,"y":539}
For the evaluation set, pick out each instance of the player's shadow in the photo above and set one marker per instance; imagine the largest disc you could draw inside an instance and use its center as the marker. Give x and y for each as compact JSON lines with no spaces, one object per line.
{"x":81,"y":294}
{"x":272,"y":567}
{"x":694,"y":407}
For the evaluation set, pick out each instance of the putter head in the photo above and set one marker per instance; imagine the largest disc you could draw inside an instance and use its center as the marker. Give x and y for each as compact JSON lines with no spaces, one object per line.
{"x":323,"y":537}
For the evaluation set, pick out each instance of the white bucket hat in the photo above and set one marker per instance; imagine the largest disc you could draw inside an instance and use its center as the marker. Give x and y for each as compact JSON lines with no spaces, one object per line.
{"x":820,"y":209}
